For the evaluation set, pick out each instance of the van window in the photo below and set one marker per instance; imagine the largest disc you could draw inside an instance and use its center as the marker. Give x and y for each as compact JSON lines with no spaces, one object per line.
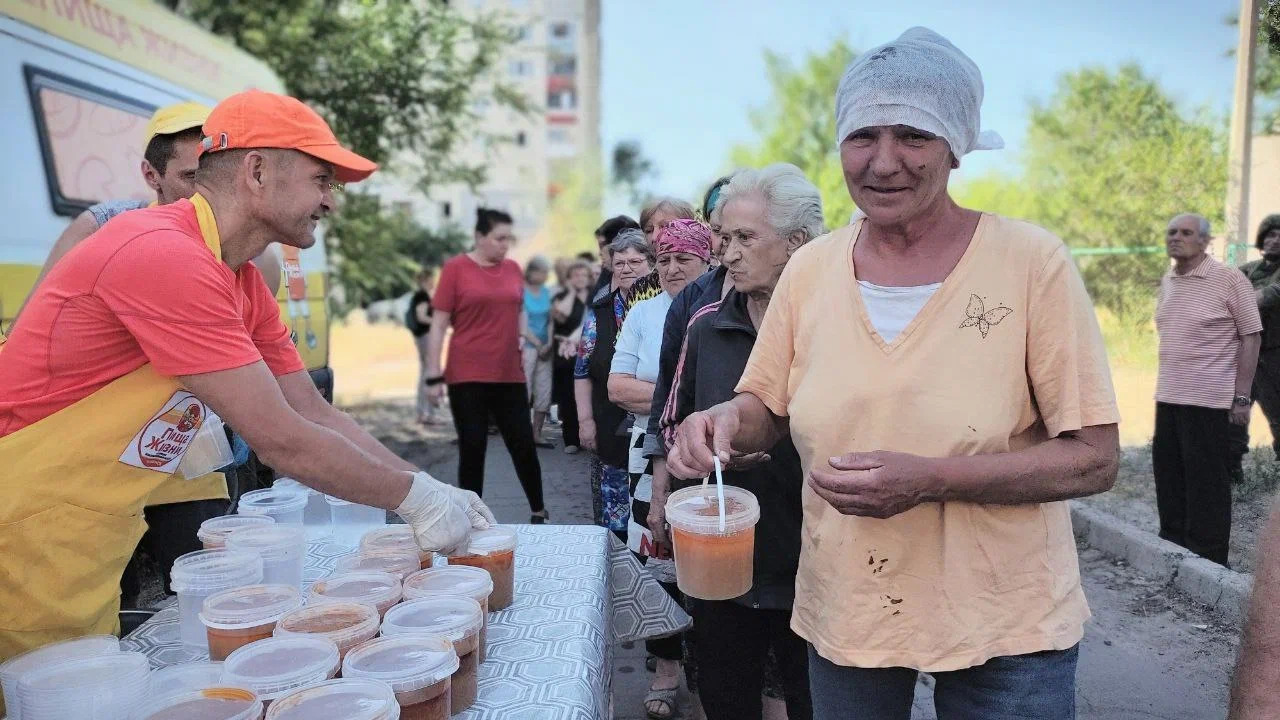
{"x":91,"y":141}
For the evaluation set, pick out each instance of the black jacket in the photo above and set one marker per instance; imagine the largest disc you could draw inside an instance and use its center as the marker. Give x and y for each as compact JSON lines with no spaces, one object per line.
{"x":719,"y":341}
{"x":613,"y":446}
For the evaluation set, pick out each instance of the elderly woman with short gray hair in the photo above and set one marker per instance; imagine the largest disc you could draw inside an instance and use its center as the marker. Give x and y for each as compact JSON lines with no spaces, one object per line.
{"x":941,"y":372}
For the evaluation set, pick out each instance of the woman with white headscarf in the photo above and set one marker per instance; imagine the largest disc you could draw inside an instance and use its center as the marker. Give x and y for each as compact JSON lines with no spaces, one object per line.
{"x":942,"y":374}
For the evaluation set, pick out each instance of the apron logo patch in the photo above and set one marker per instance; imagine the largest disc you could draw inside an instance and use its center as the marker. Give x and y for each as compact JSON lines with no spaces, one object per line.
{"x":164,"y":439}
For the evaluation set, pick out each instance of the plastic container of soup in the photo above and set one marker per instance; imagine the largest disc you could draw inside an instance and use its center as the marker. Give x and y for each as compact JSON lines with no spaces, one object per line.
{"x":396,"y":538}
{"x":345,"y":699}
{"x":197,"y":575}
{"x":494,"y":550}
{"x":315,"y":515}
{"x":283,"y":549}
{"x":277,"y":666}
{"x":185,"y":677}
{"x":419,"y":669}
{"x":214,"y":531}
{"x":713,"y":564}
{"x":396,"y":562}
{"x":379,"y":589}
{"x":235,"y":618}
{"x":287,"y":505}
{"x":352,"y":520}
{"x":211,"y":703}
{"x":14,"y":669}
{"x":454,"y":580}
{"x":347,"y":624}
{"x":457,"y":619}
{"x":103,"y":687}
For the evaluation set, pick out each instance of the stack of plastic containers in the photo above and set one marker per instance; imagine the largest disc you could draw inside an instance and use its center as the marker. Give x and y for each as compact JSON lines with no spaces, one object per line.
{"x":235,"y":618}
{"x":279,"y":665}
{"x":347,"y":624}
{"x":198,"y":575}
{"x":102,"y":687}
{"x":494,"y":550}
{"x":316,"y":517}
{"x":346,"y":699}
{"x":283,"y":549}
{"x":379,"y":589}
{"x":457,"y":619}
{"x":213,"y":703}
{"x":352,"y":520}
{"x":287,"y":505}
{"x":418,"y":669}
{"x":15,"y":668}
{"x":454,"y":580}
{"x":396,"y":537}
{"x":214,"y":531}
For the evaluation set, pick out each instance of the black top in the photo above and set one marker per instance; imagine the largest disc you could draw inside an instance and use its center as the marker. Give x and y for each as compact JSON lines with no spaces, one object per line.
{"x":1265,"y":276}
{"x":613,"y":437}
{"x":574,"y":321}
{"x":421,"y":297}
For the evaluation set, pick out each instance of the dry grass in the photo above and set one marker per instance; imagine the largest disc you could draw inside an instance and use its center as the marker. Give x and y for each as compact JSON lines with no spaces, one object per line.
{"x":371,"y":362}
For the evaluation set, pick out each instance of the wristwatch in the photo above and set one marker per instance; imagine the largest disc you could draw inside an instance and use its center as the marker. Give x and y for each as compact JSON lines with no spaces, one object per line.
{"x":1242,"y":400}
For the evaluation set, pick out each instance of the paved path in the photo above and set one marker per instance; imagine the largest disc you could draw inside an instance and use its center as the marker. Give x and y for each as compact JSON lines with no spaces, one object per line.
{"x":1147,"y":653}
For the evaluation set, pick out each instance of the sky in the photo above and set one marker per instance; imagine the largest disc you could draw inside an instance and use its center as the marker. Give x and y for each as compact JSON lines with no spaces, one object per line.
{"x":680,"y":76}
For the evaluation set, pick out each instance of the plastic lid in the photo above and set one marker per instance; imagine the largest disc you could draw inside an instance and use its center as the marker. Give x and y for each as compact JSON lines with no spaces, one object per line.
{"x":272,"y":541}
{"x":249,"y":606}
{"x":345,"y":699}
{"x":345,"y":623}
{"x":274,"y":666}
{"x":465,"y":580}
{"x":397,"y":562}
{"x":493,"y":540}
{"x":206,"y":570}
{"x":366,"y":586}
{"x":695,"y":510}
{"x":271,"y":500}
{"x":215,"y":530}
{"x":185,"y":677}
{"x":450,"y":617}
{"x":119,"y":669}
{"x":288,"y":483}
{"x":391,"y":537}
{"x":88,"y":646}
{"x":211,"y":703}
{"x":405,"y":662}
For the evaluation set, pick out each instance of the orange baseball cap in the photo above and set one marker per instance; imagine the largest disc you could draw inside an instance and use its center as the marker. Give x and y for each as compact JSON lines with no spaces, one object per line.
{"x":257,"y":119}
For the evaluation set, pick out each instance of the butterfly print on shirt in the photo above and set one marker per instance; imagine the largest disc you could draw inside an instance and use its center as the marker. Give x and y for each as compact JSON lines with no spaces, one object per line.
{"x":976,"y":315}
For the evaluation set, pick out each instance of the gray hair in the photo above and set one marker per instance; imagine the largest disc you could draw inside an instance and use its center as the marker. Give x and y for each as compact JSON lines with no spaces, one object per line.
{"x":1205,"y":228}
{"x":633,"y":239}
{"x":792,"y":203}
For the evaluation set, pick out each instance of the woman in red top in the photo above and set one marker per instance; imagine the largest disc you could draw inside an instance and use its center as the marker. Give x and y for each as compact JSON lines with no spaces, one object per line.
{"x":480,"y":295}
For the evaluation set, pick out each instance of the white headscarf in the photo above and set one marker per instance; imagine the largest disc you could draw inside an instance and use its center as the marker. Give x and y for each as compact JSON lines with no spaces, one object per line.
{"x":920,"y":80}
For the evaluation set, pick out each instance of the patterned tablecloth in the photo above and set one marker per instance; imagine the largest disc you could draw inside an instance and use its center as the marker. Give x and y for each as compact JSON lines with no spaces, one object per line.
{"x":550,"y":653}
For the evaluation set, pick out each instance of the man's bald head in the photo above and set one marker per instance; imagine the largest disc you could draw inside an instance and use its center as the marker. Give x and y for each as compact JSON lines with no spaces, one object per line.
{"x":1200,"y":221}
{"x":1187,"y":237}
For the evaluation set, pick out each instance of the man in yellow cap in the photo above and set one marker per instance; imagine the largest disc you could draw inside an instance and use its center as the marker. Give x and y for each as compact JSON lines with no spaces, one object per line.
{"x":161,"y":315}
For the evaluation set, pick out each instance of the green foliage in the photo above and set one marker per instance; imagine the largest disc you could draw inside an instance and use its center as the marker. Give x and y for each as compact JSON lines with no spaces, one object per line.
{"x":574,"y":211}
{"x":798,"y":125}
{"x":631,"y":169}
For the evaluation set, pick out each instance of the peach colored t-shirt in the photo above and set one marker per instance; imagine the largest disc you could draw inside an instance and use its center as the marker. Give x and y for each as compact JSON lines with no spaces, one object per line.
{"x":1006,"y":354}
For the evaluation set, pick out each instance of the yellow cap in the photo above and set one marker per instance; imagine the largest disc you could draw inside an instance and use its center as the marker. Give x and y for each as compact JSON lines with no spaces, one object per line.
{"x":175,"y":118}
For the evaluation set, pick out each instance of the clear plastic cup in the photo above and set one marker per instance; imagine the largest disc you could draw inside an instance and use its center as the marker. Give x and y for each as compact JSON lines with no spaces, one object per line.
{"x":185,"y":677}
{"x":454,"y":580}
{"x":379,"y":589}
{"x":345,"y":699}
{"x":457,"y":619}
{"x":211,"y":703}
{"x":214,"y":531}
{"x":279,"y":665}
{"x":494,"y":550}
{"x":235,"y":618}
{"x":396,"y":562}
{"x":208,"y":451}
{"x":417,"y":667}
{"x":197,"y":575}
{"x":316,"y":517}
{"x":12,"y":670}
{"x":347,"y":624}
{"x":712,"y":564}
{"x":103,"y":687}
{"x":283,"y":549}
{"x":352,"y":520}
{"x":396,"y":537}
{"x":286,"y":505}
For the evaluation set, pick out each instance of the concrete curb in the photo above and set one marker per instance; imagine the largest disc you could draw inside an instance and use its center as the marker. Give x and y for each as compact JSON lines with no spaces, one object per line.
{"x":1225,"y":591}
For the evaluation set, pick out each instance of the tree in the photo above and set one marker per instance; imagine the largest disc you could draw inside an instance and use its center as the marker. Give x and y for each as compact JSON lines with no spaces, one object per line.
{"x":798,"y":125}
{"x":631,"y":169}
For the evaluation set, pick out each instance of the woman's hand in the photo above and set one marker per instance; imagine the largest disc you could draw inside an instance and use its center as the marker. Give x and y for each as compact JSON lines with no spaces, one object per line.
{"x":700,"y":437}
{"x":436,"y":393}
{"x":544,"y":352}
{"x":876,"y":484}
{"x":587,"y":433}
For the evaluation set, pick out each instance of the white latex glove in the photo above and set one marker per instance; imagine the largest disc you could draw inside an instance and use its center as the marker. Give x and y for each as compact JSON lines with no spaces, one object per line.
{"x":477,"y":512}
{"x":440,"y":523}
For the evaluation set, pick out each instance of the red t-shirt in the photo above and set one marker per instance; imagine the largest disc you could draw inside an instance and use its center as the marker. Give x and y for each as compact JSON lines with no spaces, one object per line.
{"x":143,"y":288}
{"x":484,"y":304}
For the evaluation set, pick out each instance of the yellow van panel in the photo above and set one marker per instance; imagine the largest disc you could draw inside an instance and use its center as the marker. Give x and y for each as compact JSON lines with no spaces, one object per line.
{"x":15,"y":282}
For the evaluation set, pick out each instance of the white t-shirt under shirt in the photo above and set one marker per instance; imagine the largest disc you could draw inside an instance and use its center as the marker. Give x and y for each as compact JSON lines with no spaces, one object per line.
{"x":892,"y":309}
{"x":640,"y":343}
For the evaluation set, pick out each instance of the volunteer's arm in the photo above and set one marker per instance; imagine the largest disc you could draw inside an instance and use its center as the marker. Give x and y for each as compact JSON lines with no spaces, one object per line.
{"x":82,"y":227}
{"x":1253,"y":692}
{"x":301,"y":394}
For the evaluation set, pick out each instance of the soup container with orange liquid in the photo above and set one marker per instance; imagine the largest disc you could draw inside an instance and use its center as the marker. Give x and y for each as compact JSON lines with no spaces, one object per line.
{"x":379,"y":589}
{"x":213,"y":703}
{"x":494,"y":550}
{"x":419,"y":669}
{"x":214,"y":531}
{"x":277,"y":666}
{"x":711,"y":563}
{"x":457,"y":619}
{"x":234,"y":618}
{"x":197,"y":575}
{"x":454,"y":580}
{"x":347,"y":624}
{"x":348,"y":699}
{"x":396,"y":537}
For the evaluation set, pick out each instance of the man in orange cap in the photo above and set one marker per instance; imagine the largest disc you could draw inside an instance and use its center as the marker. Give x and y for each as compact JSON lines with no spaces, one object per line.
{"x":160,"y":309}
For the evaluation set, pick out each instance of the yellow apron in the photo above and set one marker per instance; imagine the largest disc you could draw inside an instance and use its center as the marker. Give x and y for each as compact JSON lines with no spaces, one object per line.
{"x":71,"y":504}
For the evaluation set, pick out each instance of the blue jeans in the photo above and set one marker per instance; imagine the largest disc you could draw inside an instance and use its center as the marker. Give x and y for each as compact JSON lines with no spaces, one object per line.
{"x":1039,"y":686}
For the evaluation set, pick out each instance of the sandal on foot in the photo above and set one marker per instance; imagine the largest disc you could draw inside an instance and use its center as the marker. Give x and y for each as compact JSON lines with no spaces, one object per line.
{"x":667,"y":702}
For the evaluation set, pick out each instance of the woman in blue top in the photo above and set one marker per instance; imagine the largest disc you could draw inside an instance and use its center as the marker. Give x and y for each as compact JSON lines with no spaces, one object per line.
{"x":536,"y":344}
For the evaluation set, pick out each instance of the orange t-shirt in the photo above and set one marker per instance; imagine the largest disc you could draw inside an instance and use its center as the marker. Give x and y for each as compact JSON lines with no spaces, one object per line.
{"x":142,"y":289}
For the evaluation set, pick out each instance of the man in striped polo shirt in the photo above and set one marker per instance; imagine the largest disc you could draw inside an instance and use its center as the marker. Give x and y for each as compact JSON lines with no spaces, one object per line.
{"x":1210,"y":332}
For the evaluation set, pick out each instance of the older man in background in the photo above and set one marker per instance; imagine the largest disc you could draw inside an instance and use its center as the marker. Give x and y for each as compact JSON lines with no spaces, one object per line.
{"x":1210,"y":332}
